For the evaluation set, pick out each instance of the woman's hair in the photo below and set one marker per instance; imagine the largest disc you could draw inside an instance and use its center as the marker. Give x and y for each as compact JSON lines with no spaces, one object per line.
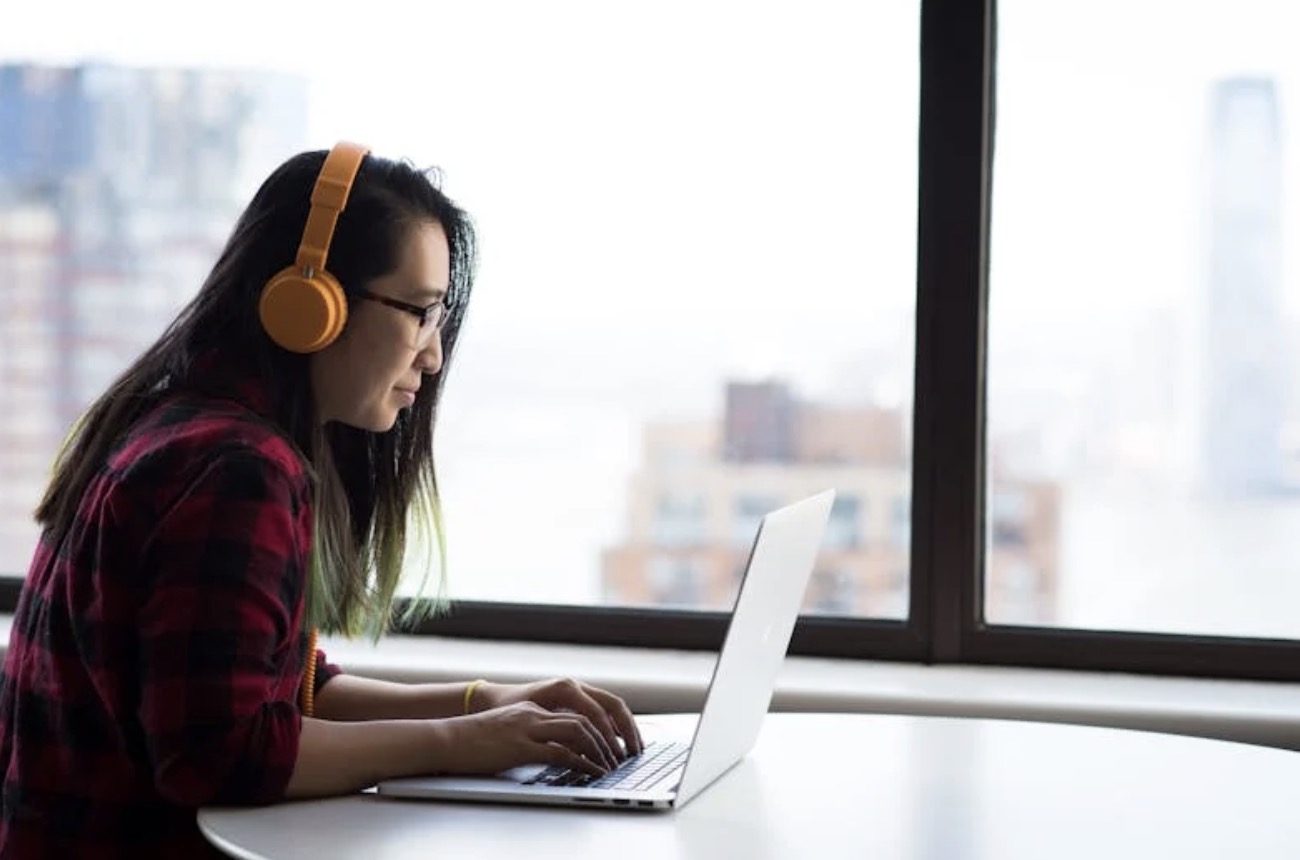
{"x":368,"y":486}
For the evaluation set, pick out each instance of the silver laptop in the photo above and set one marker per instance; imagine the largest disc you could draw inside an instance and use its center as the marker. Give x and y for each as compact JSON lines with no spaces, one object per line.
{"x":668,"y":774}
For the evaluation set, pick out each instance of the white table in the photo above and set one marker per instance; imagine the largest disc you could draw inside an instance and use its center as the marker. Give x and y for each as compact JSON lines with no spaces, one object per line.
{"x":825,"y":786}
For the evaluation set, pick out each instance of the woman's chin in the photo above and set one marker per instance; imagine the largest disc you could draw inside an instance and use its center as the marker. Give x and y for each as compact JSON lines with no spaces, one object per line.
{"x":375,"y":421}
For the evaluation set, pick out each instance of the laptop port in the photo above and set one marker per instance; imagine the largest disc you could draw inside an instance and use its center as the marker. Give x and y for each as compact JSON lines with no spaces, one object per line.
{"x":644,"y":803}
{"x":621,"y":801}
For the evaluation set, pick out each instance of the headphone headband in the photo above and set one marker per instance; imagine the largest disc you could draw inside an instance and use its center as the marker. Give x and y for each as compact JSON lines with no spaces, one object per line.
{"x":328,"y":198}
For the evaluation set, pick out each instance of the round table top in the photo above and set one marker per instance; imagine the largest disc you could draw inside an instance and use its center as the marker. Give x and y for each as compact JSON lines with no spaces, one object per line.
{"x":855,"y":786}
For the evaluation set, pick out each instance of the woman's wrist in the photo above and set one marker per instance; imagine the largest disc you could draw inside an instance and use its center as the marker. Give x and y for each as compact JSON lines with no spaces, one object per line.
{"x":473,"y":692}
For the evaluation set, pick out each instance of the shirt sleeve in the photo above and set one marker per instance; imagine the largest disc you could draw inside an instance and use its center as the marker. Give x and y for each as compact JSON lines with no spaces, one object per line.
{"x":223,"y":578}
{"x":324,"y":671}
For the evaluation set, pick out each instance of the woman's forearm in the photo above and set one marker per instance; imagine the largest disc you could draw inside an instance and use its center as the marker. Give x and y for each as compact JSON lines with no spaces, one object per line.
{"x":351,"y":698}
{"x":344,"y":757}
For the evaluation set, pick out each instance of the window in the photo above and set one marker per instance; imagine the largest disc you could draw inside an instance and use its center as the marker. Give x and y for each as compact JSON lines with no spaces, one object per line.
{"x":832,"y":592}
{"x":675,"y":581}
{"x":748,"y":511}
{"x":1143,"y":398}
{"x":734,"y":256}
{"x":680,"y":520}
{"x":1009,"y":516}
{"x":900,"y":522}
{"x":844,"y":528}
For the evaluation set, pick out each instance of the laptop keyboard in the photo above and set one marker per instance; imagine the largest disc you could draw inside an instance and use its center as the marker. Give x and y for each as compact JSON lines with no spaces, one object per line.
{"x":635,"y":774}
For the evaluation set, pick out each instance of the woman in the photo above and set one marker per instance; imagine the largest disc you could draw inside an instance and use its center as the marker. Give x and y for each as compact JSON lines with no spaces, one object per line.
{"x":244,"y":483}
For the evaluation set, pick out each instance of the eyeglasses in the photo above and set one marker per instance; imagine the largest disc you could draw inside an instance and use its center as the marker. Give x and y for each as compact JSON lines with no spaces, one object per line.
{"x":432,"y":317}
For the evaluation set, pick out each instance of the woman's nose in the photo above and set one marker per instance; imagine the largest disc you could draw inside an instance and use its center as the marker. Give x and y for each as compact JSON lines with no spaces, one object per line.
{"x":429,"y":359}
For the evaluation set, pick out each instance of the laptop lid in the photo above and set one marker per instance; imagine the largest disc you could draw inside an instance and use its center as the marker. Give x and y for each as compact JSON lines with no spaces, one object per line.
{"x":781,"y":562}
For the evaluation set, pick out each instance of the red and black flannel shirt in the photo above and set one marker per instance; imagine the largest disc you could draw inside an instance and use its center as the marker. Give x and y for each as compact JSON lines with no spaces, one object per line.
{"x":156,"y":654}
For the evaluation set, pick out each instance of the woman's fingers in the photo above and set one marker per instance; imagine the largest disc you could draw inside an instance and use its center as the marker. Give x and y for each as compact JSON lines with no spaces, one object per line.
{"x":576,"y":732}
{"x":619,"y":715}
{"x":558,"y":754}
{"x":595,"y":712}
{"x":607,"y":712}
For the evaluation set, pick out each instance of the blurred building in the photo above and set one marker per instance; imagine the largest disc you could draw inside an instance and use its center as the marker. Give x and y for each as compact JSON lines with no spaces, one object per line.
{"x":694,"y":507}
{"x":1243,"y":376}
{"x":118,"y":187}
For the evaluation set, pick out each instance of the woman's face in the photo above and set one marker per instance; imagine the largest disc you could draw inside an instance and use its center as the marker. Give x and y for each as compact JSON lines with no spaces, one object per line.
{"x":375,"y":367}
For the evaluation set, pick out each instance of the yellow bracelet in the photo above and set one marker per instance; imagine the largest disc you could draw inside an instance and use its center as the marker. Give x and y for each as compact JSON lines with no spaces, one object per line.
{"x":469,"y":691}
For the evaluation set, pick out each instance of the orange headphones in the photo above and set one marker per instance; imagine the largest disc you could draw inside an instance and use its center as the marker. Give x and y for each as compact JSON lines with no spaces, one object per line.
{"x":303,"y":308}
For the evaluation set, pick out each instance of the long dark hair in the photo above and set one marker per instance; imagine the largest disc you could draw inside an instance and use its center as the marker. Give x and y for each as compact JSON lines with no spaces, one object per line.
{"x":367,"y":486}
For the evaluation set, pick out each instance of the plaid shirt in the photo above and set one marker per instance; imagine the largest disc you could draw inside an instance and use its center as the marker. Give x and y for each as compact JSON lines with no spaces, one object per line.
{"x":156,"y":655}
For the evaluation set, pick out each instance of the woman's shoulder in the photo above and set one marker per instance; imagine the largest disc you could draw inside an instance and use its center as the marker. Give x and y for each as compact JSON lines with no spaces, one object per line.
{"x":185,"y":431}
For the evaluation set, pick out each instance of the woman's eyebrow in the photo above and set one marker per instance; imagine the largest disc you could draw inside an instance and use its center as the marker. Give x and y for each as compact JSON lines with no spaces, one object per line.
{"x":432,"y":294}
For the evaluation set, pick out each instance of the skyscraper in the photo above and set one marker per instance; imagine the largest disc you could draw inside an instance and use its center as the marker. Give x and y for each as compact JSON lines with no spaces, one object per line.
{"x":118,"y":187}
{"x":1242,"y":373}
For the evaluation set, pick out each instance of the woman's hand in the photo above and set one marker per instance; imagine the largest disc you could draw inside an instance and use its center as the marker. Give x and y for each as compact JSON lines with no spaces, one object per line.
{"x":609,"y":714}
{"x":524,"y":733}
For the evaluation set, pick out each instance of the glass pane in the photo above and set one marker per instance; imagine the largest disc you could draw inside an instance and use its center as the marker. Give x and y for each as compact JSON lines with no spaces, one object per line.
{"x":696,"y":295}
{"x":1143,"y":400}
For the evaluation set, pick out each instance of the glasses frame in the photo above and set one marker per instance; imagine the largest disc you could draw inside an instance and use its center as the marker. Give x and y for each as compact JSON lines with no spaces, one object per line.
{"x":439,"y":310}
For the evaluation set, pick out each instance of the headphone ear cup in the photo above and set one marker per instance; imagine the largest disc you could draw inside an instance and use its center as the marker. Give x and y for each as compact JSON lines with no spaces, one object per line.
{"x":303,"y":314}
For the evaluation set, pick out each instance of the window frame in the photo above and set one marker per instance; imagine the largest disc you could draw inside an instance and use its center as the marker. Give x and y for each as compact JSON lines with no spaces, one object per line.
{"x":946,"y":621}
